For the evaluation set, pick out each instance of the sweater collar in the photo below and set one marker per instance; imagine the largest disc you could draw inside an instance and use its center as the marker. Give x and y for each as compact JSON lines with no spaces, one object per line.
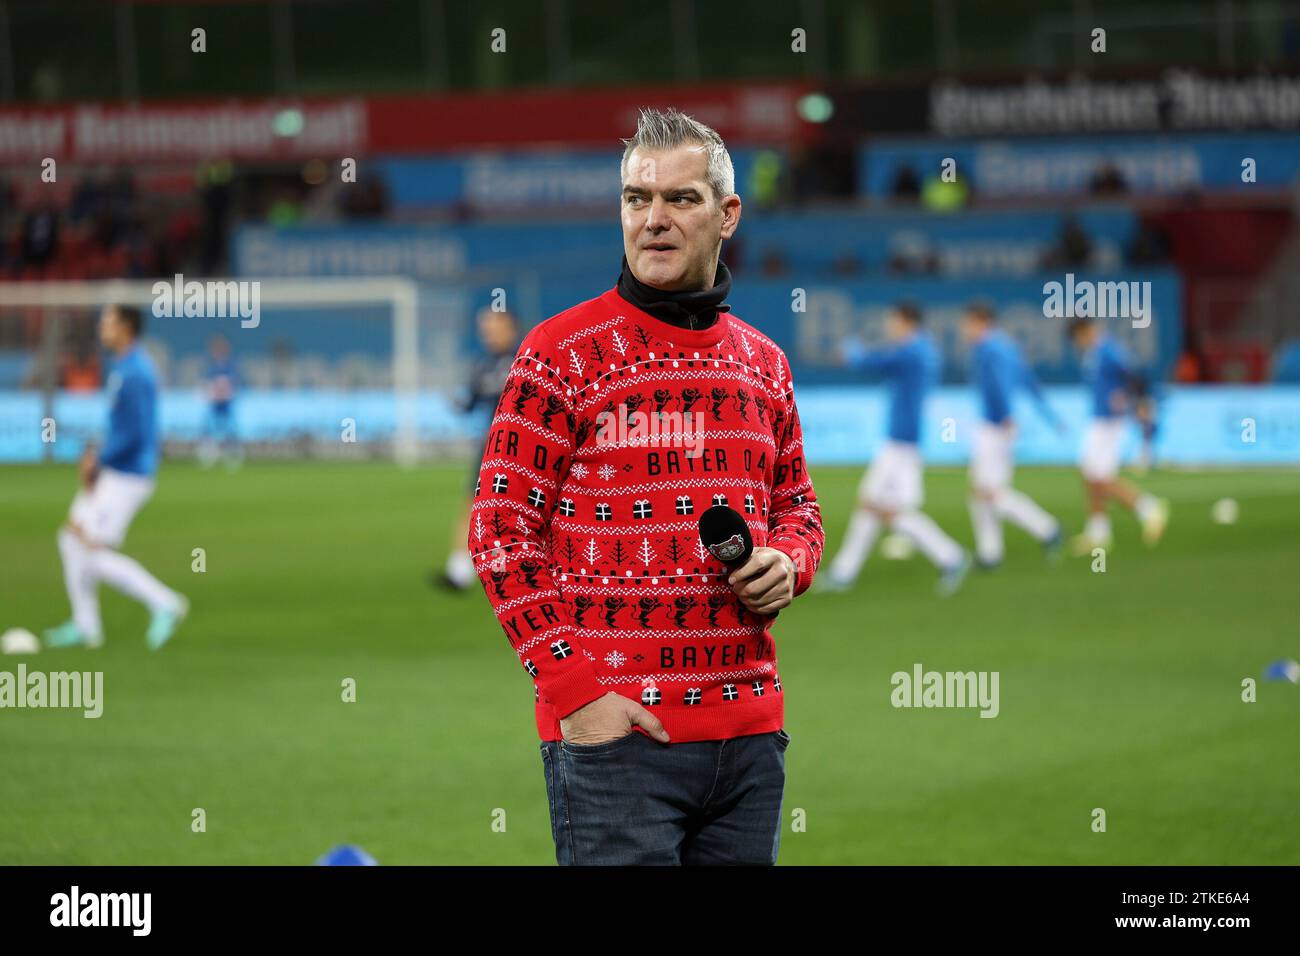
{"x":695,"y":309}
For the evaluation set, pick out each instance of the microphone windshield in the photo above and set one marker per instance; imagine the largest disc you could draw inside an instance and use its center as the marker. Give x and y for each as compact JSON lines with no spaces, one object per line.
{"x":725,"y":534}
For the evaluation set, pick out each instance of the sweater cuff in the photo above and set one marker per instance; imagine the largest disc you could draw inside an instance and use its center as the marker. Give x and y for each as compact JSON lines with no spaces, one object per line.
{"x":798,"y":552}
{"x":573,"y":689}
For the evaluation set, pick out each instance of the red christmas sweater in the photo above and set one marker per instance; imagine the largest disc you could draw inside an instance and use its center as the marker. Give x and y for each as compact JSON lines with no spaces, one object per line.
{"x":614,"y":433}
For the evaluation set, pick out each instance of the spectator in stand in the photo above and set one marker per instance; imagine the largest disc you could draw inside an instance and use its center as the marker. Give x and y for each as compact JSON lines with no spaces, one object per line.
{"x":1073,"y":250}
{"x":368,"y":200}
{"x":215,"y":198}
{"x":1108,"y":181}
{"x":81,"y":371}
{"x":141,"y":256}
{"x":40,"y":235}
{"x":1150,"y":245}
{"x":8,"y":209}
{"x":285,"y":210}
{"x":7,"y":206}
{"x":906,"y":186}
{"x":120,"y":196}
{"x":765,"y":179}
{"x":946,"y":193}
{"x":87,"y":198}
{"x":1190,"y":368}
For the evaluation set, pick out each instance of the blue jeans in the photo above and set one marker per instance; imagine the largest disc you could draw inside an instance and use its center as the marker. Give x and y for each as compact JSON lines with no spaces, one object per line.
{"x":636,"y":802}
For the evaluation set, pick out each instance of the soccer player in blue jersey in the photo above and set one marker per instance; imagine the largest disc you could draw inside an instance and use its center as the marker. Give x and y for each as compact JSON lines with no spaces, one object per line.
{"x":498,"y":333}
{"x":999,"y":370}
{"x":222,"y":380}
{"x":891,"y":491}
{"x":1114,"y":386}
{"x":115,"y":484}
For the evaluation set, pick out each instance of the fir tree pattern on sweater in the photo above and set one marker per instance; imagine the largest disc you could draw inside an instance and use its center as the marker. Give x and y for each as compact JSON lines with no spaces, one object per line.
{"x":614,"y":432}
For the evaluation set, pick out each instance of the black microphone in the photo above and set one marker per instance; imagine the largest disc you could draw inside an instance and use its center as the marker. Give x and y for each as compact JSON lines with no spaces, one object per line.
{"x":724,"y":532}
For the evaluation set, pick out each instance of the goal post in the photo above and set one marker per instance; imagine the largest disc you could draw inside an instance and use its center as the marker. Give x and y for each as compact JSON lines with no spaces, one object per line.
{"x":402,"y":296}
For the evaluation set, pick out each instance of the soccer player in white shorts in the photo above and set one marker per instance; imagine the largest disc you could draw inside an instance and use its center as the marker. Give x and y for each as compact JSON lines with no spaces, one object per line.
{"x":890,"y":493}
{"x":999,"y":371}
{"x":116,"y":483}
{"x":1110,"y":378}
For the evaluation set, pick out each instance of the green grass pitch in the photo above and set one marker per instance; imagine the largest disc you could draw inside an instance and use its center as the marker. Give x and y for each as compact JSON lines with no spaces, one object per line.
{"x":1119,"y":690}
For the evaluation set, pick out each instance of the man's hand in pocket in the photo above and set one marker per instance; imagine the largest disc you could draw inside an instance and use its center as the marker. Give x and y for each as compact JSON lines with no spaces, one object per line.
{"x":609,"y":718}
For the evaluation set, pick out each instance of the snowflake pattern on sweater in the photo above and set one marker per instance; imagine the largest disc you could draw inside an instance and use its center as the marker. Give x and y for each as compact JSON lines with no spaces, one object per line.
{"x":614,"y":432}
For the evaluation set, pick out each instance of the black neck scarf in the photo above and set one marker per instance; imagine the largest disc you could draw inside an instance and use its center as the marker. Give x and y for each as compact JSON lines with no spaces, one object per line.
{"x":695,"y":309}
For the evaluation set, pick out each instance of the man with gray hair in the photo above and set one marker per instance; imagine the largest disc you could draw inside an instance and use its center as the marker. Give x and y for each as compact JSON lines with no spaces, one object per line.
{"x":655,"y":683}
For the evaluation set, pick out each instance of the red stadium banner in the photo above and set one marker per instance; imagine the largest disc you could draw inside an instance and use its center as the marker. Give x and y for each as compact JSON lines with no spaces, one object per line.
{"x":271,"y":129}
{"x":253,"y":130}
{"x":754,"y":114}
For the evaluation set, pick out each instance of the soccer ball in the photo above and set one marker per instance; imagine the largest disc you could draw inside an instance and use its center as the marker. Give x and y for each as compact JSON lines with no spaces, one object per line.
{"x":1224,"y":511}
{"x":897,"y":547}
{"x":16,"y":640}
